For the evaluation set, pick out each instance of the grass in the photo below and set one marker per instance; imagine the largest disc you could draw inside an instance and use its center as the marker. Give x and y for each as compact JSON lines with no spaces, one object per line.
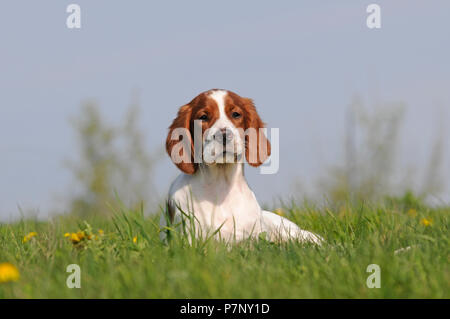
{"x":113,"y":265}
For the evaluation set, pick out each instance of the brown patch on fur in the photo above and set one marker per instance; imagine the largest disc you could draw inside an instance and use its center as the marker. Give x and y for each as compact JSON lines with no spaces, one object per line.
{"x":187,"y":114}
{"x":249,"y":119}
{"x":182,"y":121}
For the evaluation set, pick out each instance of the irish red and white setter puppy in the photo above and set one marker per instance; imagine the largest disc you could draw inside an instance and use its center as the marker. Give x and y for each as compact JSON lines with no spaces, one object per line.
{"x":208,"y":141}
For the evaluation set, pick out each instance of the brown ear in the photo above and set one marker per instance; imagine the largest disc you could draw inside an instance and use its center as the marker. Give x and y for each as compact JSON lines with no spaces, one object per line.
{"x":257,"y":150}
{"x":179,"y":142}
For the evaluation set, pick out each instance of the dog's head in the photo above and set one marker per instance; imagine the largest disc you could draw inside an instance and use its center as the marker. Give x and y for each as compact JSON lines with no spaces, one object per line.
{"x":217,"y":127}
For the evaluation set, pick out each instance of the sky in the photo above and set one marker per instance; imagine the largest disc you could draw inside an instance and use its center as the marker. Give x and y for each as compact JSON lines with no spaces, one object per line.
{"x":301,"y":61}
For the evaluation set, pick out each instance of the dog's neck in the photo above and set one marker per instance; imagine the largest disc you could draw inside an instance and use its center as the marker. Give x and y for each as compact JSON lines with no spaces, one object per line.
{"x":229,"y":173}
{"x":222,"y":176}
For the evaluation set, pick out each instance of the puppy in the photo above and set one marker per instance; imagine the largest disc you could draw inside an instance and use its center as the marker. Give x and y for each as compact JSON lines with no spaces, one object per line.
{"x":208,"y":141}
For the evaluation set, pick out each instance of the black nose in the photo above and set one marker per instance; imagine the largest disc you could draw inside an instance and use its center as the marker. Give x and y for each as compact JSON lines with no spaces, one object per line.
{"x":224,"y":136}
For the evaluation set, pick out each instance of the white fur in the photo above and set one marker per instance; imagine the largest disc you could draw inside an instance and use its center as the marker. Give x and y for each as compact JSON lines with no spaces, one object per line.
{"x":218,"y":196}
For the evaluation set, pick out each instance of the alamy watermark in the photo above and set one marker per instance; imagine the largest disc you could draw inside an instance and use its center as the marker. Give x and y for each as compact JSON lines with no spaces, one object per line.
{"x":73,"y":21}
{"x":374,"y":280}
{"x":74,"y":279}
{"x":236,"y":145}
{"x":373,"y":20}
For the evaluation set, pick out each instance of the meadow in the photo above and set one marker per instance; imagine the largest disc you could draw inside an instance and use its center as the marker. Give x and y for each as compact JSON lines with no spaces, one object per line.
{"x":121,"y":256}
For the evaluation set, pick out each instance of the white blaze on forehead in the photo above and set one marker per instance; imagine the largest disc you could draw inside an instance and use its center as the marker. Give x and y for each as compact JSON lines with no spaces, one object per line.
{"x":219,"y":97}
{"x":211,"y":144}
{"x":223,"y":121}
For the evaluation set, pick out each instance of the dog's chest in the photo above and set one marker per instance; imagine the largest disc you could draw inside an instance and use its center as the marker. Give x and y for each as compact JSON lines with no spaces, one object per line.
{"x":231,"y":207}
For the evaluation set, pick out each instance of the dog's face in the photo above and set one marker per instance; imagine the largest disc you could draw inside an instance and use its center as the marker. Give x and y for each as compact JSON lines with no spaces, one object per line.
{"x":217,"y":127}
{"x":220,"y":119}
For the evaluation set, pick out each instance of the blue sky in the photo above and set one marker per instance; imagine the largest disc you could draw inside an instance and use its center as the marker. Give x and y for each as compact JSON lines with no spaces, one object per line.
{"x":301,"y":61}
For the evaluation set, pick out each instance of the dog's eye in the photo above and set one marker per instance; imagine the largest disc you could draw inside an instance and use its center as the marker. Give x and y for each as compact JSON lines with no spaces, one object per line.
{"x":236,"y":115}
{"x":204,"y":117}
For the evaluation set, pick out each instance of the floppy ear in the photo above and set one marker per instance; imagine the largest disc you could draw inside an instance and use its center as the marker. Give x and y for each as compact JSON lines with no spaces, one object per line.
{"x":179,"y":142}
{"x":257,"y":146}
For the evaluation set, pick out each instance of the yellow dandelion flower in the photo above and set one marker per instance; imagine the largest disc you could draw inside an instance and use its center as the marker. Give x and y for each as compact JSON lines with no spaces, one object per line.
{"x":75,"y":237}
{"x":135,"y":239}
{"x":81,"y":235}
{"x":412,"y":212}
{"x":426,"y":222}
{"x":8,"y":272}
{"x":279,"y":211}
{"x":28,"y":237}
{"x":100,"y":231}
